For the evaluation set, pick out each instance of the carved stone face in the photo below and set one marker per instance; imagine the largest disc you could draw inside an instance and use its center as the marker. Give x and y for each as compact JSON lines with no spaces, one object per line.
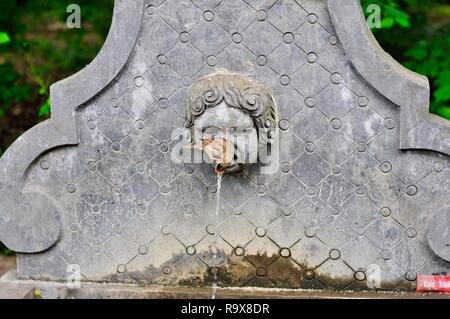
{"x":229,"y":115}
{"x":233,"y":125}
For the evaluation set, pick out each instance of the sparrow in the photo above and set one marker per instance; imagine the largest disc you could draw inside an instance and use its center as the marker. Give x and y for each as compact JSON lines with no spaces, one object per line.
{"x":221,"y":151}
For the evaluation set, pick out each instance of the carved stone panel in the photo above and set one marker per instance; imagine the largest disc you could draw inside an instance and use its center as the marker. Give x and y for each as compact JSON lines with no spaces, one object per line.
{"x":360,"y":193}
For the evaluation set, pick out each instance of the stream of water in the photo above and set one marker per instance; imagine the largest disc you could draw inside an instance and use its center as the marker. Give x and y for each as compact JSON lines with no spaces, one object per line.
{"x":216,"y":234}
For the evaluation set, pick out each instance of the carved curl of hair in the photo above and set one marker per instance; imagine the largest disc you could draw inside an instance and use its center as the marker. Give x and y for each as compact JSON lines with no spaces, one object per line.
{"x":237,"y":91}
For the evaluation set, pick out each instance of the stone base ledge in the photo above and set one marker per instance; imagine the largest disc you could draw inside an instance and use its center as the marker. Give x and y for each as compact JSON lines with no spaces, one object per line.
{"x":13,"y":288}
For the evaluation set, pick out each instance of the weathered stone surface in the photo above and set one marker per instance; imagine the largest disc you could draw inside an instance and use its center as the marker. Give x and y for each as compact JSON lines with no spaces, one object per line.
{"x":11,"y":288}
{"x":363,"y":178}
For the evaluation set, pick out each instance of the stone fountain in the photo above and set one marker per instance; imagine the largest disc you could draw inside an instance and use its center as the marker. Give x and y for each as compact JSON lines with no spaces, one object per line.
{"x":335,"y":175}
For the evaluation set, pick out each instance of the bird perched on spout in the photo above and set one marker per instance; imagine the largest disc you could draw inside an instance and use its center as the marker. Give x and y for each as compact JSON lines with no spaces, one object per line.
{"x":221,"y":151}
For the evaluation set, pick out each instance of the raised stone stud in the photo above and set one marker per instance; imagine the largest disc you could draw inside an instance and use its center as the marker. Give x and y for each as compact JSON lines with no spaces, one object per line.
{"x":166,"y":270}
{"x":411,"y":276}
{"x":96,"y":249}
{"x":165,"y":230}
{"x":288,"y":37}
{"x":310,"y":147}
{"x":261,"y":60}
{"x":189,"y":210}
{"x":211,"y":60}
{"x":143,"y":250}
{"x":189,"y":169}
{"x":139,"y":81}
{"x":114,"y":103}
{"x":191,"y":250}
{"x":385,"y":167}
{"x":121,"y":269}
{"x":115,"y":146}
{"x":310,"y":232}
{"x":386,"y":255}
{"x":312,"y":18}
{"x":336,"y":170}
{"x":261,"y":15}
{"x":385,"y":212}
{"x":239,"y":251}
{"x":311,"y":57}
{"x":45,"y":165}
{"x":92,"y":166}
{"x":288,"y":211}
{"x":208,"y":16}
{"x":186,"y":81}
{"x":438,"y":167}
{"x":164,"y":103}
{"x":336,"y":78}
{"x":139,"y":124}
{"x":260,"y":231}
{"x":309,"y":274}
{"x":71,"y":188}
{"x":261,"y":189}
{"x":261,"y":272}
{"x":151,"y":10}
{"x":336,"y":124}
{"x":185,"y":37}
{"x":212,"y":189}
{"x":141,"y":167}
{"x":284,"y":125}
{"x":162,"y":59}
{"x":237,"y":211}
{"x":412,"y":190}
{"x":333,"y":40}
{"x":309,"y":102}
{"x":211,"y":229}
{"x":360,"y":275}
{"x":285,"y":80}
{"x":390,"y":123}
{"x":165,"y":188}
{"x":335,"y":254}
{"x":74,"y":228}
{"x":361,"y":190}
{"x":141,"y":209}
{"x":311,"y":191}
{"x":164,"y":147}
{"x":363,"y":101}
{"x":285,"y":168}
{"x":285,"y":252}
{"x":96,"y":209}
{"x":91,"y":125}
{"x":411,"y":232}
{"x":236,"y":37}
{"x":361,"y":147}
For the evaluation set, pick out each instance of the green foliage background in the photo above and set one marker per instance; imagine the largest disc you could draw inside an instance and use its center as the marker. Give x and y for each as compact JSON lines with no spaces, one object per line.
{"x":37,"y":49}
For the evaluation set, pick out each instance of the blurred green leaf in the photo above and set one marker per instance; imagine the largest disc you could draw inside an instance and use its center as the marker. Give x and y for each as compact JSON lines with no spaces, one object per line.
{"x":4,"y":38}
{"x":42,"y":90}
{"x":387,"y":23}
{"x":443,"y":111}
{"x":403,"y":22}
{"x":443,"y":78}
{"x":419,"y":52}
{"x":44,"y":110}
{"x":442,"y":94}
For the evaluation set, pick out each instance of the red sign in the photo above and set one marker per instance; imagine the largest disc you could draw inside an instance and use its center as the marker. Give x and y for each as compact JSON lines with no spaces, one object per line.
{"x":433,"y":283}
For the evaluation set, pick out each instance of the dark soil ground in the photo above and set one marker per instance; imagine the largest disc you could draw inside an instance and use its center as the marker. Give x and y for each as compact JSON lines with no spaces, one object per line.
{"x":6,"y":263}
{"x":18,"y":119}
